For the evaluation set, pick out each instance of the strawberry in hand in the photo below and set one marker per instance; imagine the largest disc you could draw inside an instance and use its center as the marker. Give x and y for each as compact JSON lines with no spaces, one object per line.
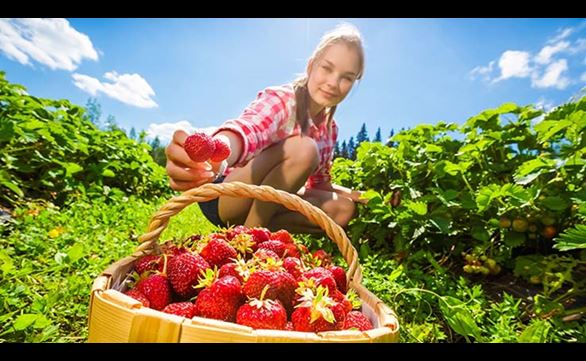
{"x":200,"y":147}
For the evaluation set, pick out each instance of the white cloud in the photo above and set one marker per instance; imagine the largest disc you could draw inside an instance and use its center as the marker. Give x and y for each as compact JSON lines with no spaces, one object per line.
{"x":165,"y":130}
{"x":561,"y":35}
{"x":545,"y":69}
{"x":482,"y":71}
{"x":514,"y":63}
{"x":553,"y":76}
{"x":546,"y":53}
{"x":131,"y":89}
{"x":51,"y":42}
{"x":583,"y":77}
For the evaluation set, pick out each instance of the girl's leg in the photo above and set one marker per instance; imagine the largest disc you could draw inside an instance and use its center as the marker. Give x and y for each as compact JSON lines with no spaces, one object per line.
{"x":285,"y":166}
{"x":340,"y":209}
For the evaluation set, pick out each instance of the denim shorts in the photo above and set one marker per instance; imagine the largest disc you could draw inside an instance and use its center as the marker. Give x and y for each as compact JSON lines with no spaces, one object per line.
{"x":210,"y":208}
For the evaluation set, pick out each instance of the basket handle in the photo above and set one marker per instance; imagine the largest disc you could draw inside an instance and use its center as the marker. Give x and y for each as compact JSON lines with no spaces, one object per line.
{"x":206,"y":192}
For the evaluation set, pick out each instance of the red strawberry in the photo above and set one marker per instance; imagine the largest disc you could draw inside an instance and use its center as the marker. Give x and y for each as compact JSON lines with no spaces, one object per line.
{"x":149,"y":262}
{"x":185,"y":309}
{"x":283,"y":236}
{"x":221,"y":300}
{"x":293,"y":266}
{"x":260,"y":234}
{"x":183,"y":272}
{"x":137,"y":295}
{"x":291,"y":250}
{"x":356,"y":319}
{"x":199,"y":147}
{"x":318,"y":313}
{"x":230,"y":269}
{"x":262,"y":254}
{"x":221,"y":150}
{"x":156,"y":289}
{"x":323,"y":257}
{"x":218,"y":252}
{"x":281,"y":286}
{"x":340,"y":277}
{"x":262,"y":314}
{"x":321,"y":276}
{"x":341,"y":299}
{"x":276,"y":246}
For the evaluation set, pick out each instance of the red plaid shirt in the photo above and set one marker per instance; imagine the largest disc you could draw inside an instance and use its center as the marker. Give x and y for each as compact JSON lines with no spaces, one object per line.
{"x":269,"y":119}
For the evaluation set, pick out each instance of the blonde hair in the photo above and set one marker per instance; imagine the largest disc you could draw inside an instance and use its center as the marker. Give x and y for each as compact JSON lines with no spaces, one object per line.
{"x":344,"y":33}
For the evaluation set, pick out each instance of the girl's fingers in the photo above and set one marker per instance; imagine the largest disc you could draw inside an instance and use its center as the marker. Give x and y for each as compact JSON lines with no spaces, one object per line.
{"x":182,"y":174}
{"x":183,"y":186}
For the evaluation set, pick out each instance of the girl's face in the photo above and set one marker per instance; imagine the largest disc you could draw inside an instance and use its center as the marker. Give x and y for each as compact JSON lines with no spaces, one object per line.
{"x":331,"y":77}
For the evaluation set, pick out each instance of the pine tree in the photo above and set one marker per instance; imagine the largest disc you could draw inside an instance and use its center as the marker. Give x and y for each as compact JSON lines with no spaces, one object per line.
{"x":132,"y":134}
{"x":362,"y":135}
{"x":344,"y":150}
{"x":337,"y":150}
{"x":158,"y":151}
{"x":93,"y":111}
{"x":377,"y":136}
{"x":111,"y":123}
{"x":389,"y":142}
{"x":351,"y":149}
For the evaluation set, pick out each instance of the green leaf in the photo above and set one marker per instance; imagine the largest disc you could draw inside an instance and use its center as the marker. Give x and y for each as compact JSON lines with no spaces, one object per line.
{"x":6,"y":130}
{"x":570,"y":239}
{"x":480,"y":233}
{"x":536,"y":332}
{"x":459,"y":317}
{"x":432,"y":148}
{"x":548,"y":128}
{"x":75,"y":252}
{"x":442,"y":223}
{"x":419,"y":208}
{"x":6,"y":264}
{"x":25,"y":320}
{"x":555,"y":203}
{"x":108,"y":173}
{"x":396,"y":273}
{"x":514,"y":239}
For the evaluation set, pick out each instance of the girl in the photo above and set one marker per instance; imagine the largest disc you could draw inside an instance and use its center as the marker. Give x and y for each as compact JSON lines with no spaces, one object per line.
{"x":285,"y":139}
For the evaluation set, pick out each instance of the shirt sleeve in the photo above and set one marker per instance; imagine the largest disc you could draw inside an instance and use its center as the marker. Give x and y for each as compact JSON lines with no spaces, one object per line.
{"x":262,"y":123}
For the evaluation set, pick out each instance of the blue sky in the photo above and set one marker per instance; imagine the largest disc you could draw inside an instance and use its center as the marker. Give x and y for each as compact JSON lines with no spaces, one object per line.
{"x":160,"y":74}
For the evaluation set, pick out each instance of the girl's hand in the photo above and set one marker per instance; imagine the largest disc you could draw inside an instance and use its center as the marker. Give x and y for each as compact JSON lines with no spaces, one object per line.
{"x":357,"y":197}
{"x":183,"y":172}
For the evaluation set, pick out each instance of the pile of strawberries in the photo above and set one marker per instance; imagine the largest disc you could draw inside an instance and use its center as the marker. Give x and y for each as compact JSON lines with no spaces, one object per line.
{"x":250,"y":276}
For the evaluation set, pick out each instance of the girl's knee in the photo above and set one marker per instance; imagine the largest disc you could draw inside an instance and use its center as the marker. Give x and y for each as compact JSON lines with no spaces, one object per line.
{"x":302,"y":150}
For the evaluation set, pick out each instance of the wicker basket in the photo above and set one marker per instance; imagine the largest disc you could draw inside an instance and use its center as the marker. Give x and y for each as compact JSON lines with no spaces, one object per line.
{"x":115,"y":317}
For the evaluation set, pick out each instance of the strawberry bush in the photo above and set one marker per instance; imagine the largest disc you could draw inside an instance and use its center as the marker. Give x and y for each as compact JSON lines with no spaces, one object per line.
{"x":50,"y":150}
{"x":502,"y":194}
